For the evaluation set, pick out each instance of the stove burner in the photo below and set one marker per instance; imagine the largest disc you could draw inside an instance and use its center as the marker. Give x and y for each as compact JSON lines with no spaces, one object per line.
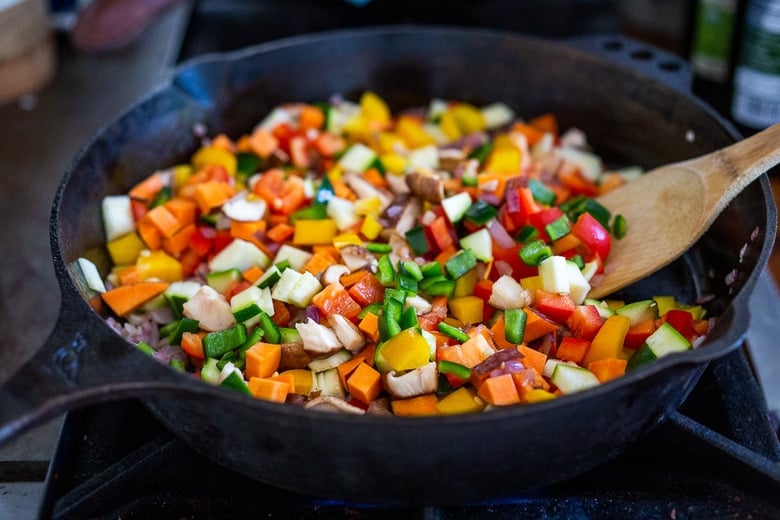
{"x":715,"y":458}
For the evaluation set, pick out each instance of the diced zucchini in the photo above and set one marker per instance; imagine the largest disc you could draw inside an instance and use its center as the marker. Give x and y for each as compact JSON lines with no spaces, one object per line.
{"x":210,"y":371}
{"x":590,"y":270}
{"x":117,"y":216}
{"x":604,"y":310}
{"x":297,"y":258}
{"x":480,"y":243}
{"x":496,"y":115}
{"x":589,"y":164}
{"x":570,"y":379}
{"x":221,"y":281}
{"x":456,"y":206}
{"x":247,"y":304}
{"x":638,"y":311}
{"x":555,"y":275}
{"x":304,"y":290}
{"x":332,"y":361}
{"x":269,"y":278}
{"x":665,"y":340}
{"x":91,"y":275}
{"x":239,"y":254}
{"x":284,"y":286}
{"x":342,"y":211}
{"x":357,"y":158}
{"x":328,"y":382}
{"x":578,"y":285}
{"x":183,"y":288}
{"x":336,"y":116}
{"x":288,"y":335}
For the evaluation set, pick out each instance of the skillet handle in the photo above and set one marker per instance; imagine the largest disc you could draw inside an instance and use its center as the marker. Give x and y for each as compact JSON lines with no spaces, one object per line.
{"x":82,"y":362}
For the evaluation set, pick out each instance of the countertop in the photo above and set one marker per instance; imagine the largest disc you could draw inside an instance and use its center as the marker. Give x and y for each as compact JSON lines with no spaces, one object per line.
{"x":40,"y":135}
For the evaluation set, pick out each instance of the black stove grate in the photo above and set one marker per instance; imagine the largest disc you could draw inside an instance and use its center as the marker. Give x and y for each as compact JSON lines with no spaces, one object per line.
{"x":716,"y":458}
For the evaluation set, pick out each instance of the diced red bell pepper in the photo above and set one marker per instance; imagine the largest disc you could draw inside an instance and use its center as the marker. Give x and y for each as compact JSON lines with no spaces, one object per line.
{"x":299,"y":151}
{"x":682,"y":321}
{"x":540,"y":219}
{"x":511,"y":256}
{"x":200,"y":242}
{"x":189,"y":260}
{"x":557,"y":307}
{"x":221,"y":240}
{"x":283,"y":133}
{"x":593,"y":236}
{"x":367,"y":290}
{"x":637,"y":334}
{"x":572,"y":349}
{"x":520,"y":205}
{"x":440,"y":233}
{"x":585,"y":322}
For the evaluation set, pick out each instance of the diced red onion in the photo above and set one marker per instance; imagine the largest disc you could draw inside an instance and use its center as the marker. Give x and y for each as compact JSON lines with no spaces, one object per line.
{"x":500,"y":234}
{"x":503,"y":267}
{"x":313,"y":313}
{"x":490,"y":199}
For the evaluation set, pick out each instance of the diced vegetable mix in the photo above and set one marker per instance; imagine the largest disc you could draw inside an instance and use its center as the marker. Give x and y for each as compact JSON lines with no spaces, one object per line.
{"x":435,"y":261}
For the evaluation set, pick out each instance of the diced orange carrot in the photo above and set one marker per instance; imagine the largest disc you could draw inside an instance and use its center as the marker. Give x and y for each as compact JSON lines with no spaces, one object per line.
{"x":165,"y":221}
{"x":334,"y":299}
{"x":328,"y":145}
{"x":341,"y":189}
{"x":499,"y":390}
{"x":311,"y":117}
{"x":212,"y":194}
{"x":373,"y":176}
{"x":249,"y":231}
{"x":536,"y":326}
{"x":416,"y":406}
{"x":147,"y":189}
{"x":700,"y":327}
{"x":283,"y":193}
{"x":532,"y":134}
{"x":179,"y":241}
{"x":607,"y":369}
{"x":445,"y":254}
{"x":365,"y":383}
{"x":129,"y":275}
{"x":345,"y":369}
{"x":127,"y":298}
{"x":182,"y":209}
{"x":269,"y":389}
{"x":285,"y":378}
{"x":527,"y":380}
{"x":280,"y":232}
{"x":330,"y":250}
{"x":610,"y":181}
{"x":532,"y":358}
{"x":253,"y":274}
{"x":546,"y":123}
{"x":262,"y":359}
{"x":224,"y":142}
{"x":348,"y":280}
{"x":499,"y":333}
{"x":318,"y":263}
{"x":369,"y":326}
{"x":192,"y":344}
{"x":263,"y":143}
{"x":367,"y":354}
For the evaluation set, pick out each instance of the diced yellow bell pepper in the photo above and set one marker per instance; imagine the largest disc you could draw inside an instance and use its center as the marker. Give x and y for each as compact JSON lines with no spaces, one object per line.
{"x":181,"y":173}
{"x":371,"y":227}
{"x":609,"y":339}
{"x":347,"y":239}
{"x":303,"y":380}
{"x":537,"y":395}
{"x":468,"y":118}
{"x":411,"y":131}
{"x":464,"y":286}
{"x":357,"y":128}
{"x":697,"y":311}
{"x":503,"y":160}
{"x":159,"y":265}
{"x":467,"y":309}
{"x":406,"y":351}
{"x":389,"y":142}
{"x":125,"y":249}
{"x":531,"y":283}
{"x":449,"y":126}
{"x":314,"y":232}
{"x":665,"y":304}
{"x":368,"y":206}
{"x":374,"y":108}
{"x":462,"y":400}
{"x":212,"y":155}
{"x":394,"y":163}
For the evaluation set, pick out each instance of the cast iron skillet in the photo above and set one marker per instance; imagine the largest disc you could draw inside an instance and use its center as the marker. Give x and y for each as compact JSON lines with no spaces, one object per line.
{"x":628,"y":117}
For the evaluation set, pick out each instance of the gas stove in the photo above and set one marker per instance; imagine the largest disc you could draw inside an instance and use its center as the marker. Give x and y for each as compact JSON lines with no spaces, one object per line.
{"x":714,"y":458}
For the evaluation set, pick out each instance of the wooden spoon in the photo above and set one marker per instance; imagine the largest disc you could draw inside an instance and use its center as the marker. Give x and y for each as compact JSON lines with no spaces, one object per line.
{"x":669,"y":208}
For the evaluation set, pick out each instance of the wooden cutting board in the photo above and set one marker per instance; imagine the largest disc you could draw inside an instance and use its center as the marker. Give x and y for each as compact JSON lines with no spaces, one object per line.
{"x":27,"y":53}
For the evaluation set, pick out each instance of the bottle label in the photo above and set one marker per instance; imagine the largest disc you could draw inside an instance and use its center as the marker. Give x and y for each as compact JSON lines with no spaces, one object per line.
{"x":713,"y":38}
{"x":756,"y":101}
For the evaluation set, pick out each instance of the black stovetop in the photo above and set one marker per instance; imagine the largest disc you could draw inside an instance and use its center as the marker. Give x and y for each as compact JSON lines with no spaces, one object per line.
{"x":715,"y":458}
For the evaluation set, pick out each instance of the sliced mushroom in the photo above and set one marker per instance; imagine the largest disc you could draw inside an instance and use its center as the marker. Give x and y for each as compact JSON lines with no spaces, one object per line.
{"x":210,"y":308}
{"x":397,"y":184}
{"x":347,"y":332}
{"x":451,"y":158}
{"x":366,"y":190}
{"x":317,"y":338}
{"x":328,"y":403}
{"x":294,"y":356}
{"x":409,"y":216}
{"x":400,"y":247}
{"x":380,"y":406}
{"x":428,"y":187}
{"x":419,"y":381}
{"x":334,"y":273}
{"x":357,"y":257}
